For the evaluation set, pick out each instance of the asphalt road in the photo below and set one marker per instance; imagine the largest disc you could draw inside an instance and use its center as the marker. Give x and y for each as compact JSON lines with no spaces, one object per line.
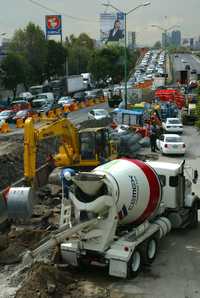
{"x":176,"y":270}
{"x":190,"y":59}
{"x":76,"y":117}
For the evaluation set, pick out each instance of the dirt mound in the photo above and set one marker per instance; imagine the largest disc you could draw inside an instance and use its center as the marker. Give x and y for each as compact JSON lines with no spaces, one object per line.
{"x":17,"y":242}
{"x":45,"y":280}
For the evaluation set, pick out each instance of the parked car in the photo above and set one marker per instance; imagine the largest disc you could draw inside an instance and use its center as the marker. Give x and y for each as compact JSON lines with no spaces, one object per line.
{"x":173,"y":125}
{"x":98,"y":114}
{"x":171,"y":144}
{"x":7,"y":115}
{"x":23,"y":114}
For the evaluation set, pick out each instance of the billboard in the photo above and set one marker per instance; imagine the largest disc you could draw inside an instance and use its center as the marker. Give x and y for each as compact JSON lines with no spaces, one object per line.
{"x":53,"y":25}
{"x":112,"y":28}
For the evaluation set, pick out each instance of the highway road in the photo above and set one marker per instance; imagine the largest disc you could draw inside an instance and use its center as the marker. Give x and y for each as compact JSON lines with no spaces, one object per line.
{"x":75,"y":117}
{"x":190,"y":59}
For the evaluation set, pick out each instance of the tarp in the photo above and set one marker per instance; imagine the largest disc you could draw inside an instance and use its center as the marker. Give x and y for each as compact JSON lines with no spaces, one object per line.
{"x":129,"y":112}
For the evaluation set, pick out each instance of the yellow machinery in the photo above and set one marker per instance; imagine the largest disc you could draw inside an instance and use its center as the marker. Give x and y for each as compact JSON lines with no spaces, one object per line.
{"x":85,"y":148}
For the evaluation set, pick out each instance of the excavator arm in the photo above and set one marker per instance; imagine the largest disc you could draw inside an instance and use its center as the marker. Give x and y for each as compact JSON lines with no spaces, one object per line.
{"x":59,"y":128}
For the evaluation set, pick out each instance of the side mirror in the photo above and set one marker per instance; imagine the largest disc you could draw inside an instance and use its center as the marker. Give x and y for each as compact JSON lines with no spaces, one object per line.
{"x":195,"y":176}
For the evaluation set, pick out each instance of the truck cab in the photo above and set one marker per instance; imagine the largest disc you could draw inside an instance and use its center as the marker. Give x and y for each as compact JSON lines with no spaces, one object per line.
{"x":179,"y":201}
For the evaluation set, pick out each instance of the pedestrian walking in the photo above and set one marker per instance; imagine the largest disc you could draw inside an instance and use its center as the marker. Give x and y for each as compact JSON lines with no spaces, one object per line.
{"x":153,"y":138}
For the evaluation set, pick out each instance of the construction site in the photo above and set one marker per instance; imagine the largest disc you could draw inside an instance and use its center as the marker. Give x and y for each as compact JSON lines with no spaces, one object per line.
{"x":85,"y":206}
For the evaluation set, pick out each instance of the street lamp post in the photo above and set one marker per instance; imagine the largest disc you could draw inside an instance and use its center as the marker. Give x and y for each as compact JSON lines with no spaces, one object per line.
{"x":165,"y":30}
{"x":125,"y":40}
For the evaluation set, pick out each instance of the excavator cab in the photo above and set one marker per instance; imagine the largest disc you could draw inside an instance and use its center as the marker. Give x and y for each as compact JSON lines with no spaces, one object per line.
{"x":95,"y":145}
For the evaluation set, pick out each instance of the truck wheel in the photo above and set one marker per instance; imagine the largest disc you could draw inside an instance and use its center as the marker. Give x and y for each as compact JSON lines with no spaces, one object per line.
{"x":134,"y":265}
{"x":194,"y":216}
{"x":149,"y":251}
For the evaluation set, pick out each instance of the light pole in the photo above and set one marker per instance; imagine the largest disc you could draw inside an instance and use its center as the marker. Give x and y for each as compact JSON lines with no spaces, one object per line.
{"x":165,"y":30}
{"x":125,"y":40}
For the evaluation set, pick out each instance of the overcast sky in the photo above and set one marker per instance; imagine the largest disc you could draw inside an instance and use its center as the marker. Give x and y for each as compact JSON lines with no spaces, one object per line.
{"x":16,"y":14}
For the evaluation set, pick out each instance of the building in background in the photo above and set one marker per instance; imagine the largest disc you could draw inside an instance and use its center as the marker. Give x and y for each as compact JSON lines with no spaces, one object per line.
{"x":166,"y":39}
{"x":4,"y":48}
{"x":191,"y":43}
{"x":176,"y":38}
{"x":131,"y":40}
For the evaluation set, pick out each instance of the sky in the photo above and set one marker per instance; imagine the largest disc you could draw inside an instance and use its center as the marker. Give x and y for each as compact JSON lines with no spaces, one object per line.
{"x":16,"y":14}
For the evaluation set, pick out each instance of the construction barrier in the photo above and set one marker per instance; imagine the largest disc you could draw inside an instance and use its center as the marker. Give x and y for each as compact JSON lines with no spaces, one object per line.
{"x":66,"y":109}
{"x":76,"y":106}
{"x":58,"y":112}
{"x":19,"y":123}
{"x":91,"y":102}
{"x":81,"y":105}
{"x":43,"y":116}
{"x":87,"y":103}
{"x":35,"y":117}
{"x":50,"y":114}
{"x":5,"y":128}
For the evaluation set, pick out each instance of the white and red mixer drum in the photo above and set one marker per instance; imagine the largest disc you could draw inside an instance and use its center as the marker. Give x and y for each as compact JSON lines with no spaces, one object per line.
{"x":135,"y":188}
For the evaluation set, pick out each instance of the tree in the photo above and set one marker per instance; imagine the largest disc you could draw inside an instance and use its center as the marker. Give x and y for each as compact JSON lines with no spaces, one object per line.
{"x":109,"y":62}
{"x":157,"y":45}
{"x":56,"y":59}
{"x":79,"y":50}
{"x":13,"y":71}
{"x":31,"y":43}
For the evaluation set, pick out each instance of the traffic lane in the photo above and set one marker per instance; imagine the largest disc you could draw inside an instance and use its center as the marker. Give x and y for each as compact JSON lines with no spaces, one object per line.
{"x":82,"y":115}
{"x":176,"y":271}
{"x":190,"y":59}
{"x":191,"y":138}
{"x":76,"y":117}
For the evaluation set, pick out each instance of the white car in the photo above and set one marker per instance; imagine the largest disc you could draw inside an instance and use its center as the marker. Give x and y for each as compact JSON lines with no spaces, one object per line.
{"x":173,"y":125}
{"x":171,"y":144}
{"x":98,"y":114}
{"x":66,"y":100}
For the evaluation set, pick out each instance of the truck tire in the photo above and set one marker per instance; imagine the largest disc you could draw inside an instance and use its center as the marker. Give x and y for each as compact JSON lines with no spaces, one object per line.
{"x":194,"y":216}
{"x":149,"y":251}
{"x":134,"y":264}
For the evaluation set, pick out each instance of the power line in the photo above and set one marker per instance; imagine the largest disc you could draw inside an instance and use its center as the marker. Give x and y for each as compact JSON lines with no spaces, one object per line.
{"x":64,"y":14}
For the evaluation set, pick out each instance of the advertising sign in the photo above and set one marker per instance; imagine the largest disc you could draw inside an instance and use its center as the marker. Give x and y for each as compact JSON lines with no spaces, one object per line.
{"x":112,"y":28}
{"x":53,"y":25}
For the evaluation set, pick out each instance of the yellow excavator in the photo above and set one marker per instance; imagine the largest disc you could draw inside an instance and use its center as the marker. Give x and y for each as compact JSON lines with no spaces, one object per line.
{"x":86,"y":148}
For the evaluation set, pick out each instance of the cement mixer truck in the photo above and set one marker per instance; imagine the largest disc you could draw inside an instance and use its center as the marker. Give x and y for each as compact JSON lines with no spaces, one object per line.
{"x":129,"y":205}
